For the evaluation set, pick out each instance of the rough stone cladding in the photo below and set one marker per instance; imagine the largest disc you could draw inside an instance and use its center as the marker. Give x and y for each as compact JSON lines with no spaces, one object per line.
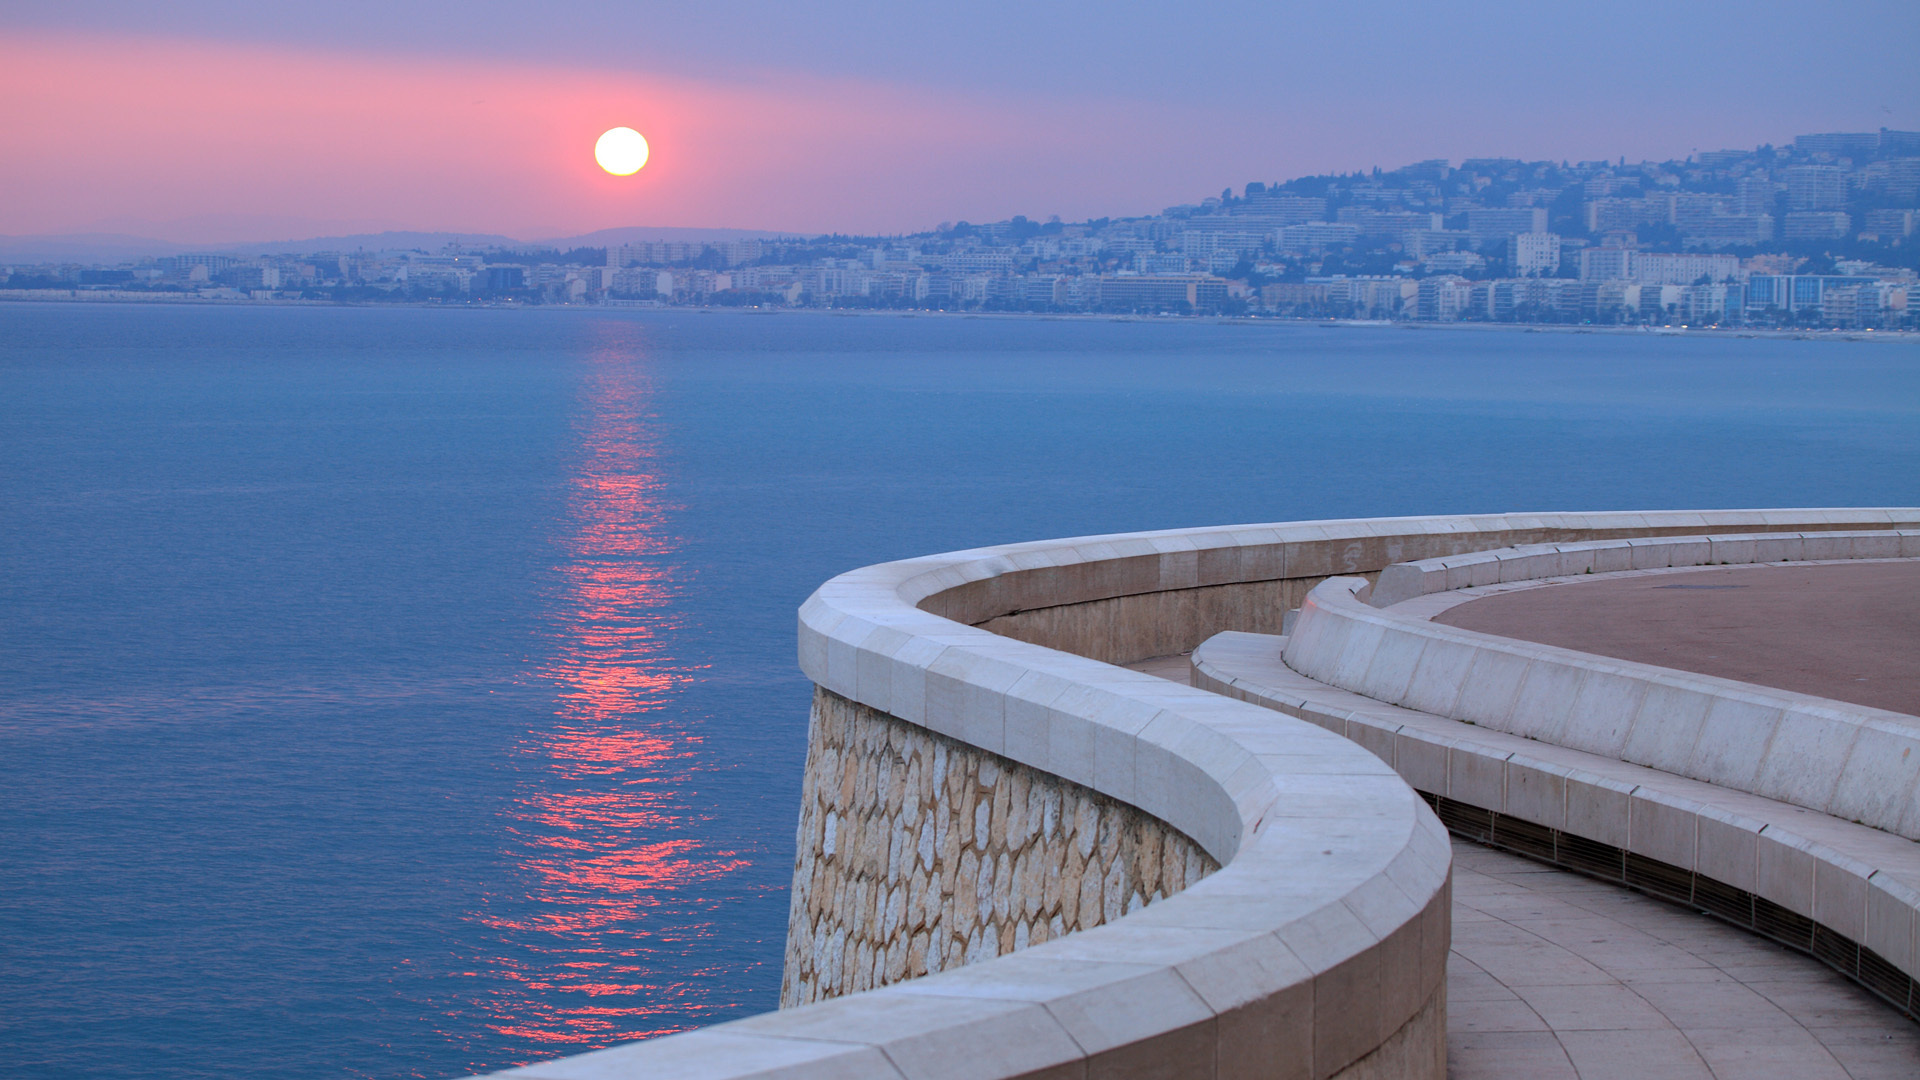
{"x":918,"y":853}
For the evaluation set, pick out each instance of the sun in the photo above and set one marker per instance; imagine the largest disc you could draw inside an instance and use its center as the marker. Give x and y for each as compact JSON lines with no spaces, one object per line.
{"x":621,"y":151}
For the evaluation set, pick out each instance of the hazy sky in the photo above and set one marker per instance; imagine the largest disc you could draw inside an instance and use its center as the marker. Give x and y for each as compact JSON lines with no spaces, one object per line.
{"x":229,"y":120}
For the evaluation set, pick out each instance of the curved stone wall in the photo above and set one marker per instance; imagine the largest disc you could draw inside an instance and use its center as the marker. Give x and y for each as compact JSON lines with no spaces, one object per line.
{"x":1803,"y":867}
{"x":1318,"y":948}
{"x":1854,"y":762}
{"x":918,"y":853}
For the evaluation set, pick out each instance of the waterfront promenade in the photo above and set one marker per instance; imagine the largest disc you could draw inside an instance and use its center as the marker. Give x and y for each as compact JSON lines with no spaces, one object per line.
{"x":1555,"y":976}
{"x":1019,"y":838}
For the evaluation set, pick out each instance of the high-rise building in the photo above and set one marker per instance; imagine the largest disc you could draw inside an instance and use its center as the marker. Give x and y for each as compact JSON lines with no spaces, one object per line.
{"x":1498,"y":223}
{"x":1816,"y":187}
{"x":1653,"y":268}
{"x":1816,"y":225}
{"x":1839,"y":144}
{"x":1534,"y":254}
{"x":1891,"y":224}
{"x":1606,"y":263}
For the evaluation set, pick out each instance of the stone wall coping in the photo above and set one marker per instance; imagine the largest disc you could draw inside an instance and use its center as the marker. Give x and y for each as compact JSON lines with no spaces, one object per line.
{"x":1859,"y":881}
{"x":1406,"y":580}
{"x":1854,"y":762}
{"x":1334,"y":872}
{"x":975,"y":585}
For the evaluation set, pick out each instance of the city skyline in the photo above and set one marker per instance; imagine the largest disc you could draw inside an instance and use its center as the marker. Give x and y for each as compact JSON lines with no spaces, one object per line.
{"x":1815,"y":233}
{"x":239,"y":124}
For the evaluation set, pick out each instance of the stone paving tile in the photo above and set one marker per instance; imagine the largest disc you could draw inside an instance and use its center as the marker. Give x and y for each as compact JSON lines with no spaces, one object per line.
{"x":1593,"y":1007}
{"x":1507,"y":1055}
{"x":1473,"y":1017}
{"x":1874,"y":1055}
{"x":1641,"y":1055}
{"x":1822,"y":1003}
{"x":1555,"y":975}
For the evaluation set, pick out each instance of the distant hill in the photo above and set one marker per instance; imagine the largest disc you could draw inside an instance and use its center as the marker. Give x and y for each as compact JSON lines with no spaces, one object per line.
{"x":82,"y":247}
{"x":383,"y":241}
{"x":634,"y":233}
{"x":122,"y":247}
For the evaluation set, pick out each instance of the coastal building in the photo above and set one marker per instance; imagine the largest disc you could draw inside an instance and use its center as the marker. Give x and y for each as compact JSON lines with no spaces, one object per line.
{"x":1306,"y":238}
{"x":1816,"y":225}
{"x":1606,"y":263}
{"x":1816,"y":187}
{"x":1531,"y":254}
{"x":1658,"y":268}
{"x":1498,"y":223}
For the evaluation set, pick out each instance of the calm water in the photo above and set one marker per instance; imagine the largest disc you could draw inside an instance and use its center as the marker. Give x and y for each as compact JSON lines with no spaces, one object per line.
{"x":410,"y":692}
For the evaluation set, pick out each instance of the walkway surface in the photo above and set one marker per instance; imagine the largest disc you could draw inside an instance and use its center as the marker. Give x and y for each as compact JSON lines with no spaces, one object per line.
{"x":1848,"y":631}
{"x":1555,"y":976}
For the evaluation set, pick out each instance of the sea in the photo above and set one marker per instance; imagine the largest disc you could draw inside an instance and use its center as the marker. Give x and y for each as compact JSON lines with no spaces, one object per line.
{"x":410,"y":692}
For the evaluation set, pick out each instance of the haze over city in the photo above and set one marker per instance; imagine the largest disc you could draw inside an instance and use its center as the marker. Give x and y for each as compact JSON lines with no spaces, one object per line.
{"x":234,"y":122}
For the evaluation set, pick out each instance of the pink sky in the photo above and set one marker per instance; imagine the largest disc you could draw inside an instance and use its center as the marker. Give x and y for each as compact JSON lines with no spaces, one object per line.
{"x":263,"y":122}
{"x":111,"y":134}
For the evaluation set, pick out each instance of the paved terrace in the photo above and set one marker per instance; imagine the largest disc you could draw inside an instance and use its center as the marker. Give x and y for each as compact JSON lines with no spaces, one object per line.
{"x":1847,"y":631}
{"x":1555,"y":976}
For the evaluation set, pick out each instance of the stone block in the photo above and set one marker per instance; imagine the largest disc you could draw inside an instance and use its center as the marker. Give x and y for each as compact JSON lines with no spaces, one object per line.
{"x":1809,"y":750}
{"x":1649,"y":553}
{"x":1881,"y":778}
{"x":1777,"y":548}
{"x":1726,"y":847}
{"x":1421,"y":760}
{"x":1783,"y":870}
{"x":1029,"y":718}
{"x":1441,"y":673}
{"x":722,"y":1052}
{"x":1689,"y":551}
{"x":1483,"y":570}
{"x":1597,"y":809}
{"x":1612,"y":558}
{"x":1359,"y":640}
{"x":1891,"y":910}
{"x":1545,"y":702}
{"x":1492,"y":684}
{"x":1476,"y":776}
{"x":1840,"y":894}
{"x":933,"y":1037}
{"x":1603,"y":711}
{"x":1816,"y":546}
{"x":1395,"y":659}
{"x":1732,"y":550}
{"x":1348,"y":1018}
{"x":1263,"y":1033}
{"x":1377,"y":736}
{"x":1148,"y":1025}
{"x":1536,"y":791}
{"x":1667,"y":725}
{"x":1875,"y":545}
{"x":1662,"y":826}
{"x":1733,"y":738}
{"x":1524,"y":564}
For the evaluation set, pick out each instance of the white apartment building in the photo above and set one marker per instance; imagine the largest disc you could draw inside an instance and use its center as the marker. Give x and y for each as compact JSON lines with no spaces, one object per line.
{"x":1655,"y":268}
{"x":1533,"y":254}
{"x":1652,"y":268}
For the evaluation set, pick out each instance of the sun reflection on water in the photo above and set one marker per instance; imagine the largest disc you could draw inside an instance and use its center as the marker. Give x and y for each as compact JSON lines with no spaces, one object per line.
{"x":603,"y":832}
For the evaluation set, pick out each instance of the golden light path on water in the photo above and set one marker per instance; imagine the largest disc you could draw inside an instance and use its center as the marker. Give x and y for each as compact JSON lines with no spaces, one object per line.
{"x":603,"y":833}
